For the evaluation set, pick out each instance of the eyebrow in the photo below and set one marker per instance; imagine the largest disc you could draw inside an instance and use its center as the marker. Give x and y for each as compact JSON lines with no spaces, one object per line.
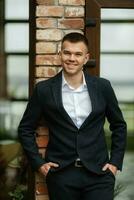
{"x":77,"y":52}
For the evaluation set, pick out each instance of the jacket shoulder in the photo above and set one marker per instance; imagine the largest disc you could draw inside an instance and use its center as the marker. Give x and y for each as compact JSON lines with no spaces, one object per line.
{"x":99,"y":80}
{"x":46,"y":83}
{"x":101,"y":83}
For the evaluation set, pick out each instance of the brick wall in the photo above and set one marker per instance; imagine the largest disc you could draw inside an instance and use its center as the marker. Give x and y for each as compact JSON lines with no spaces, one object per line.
{"x":54,"y":19}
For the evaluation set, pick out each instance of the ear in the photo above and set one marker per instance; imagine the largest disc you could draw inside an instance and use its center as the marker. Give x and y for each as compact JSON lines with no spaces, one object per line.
{"x":87,"y":57}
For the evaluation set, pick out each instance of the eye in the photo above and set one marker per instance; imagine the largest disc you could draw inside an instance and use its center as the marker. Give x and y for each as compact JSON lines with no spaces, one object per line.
{"x":79,"y":54}
{"x":66,"y":52}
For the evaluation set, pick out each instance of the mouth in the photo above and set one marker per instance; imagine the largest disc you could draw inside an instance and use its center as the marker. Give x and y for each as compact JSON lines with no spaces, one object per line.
{"x":71,"y":64}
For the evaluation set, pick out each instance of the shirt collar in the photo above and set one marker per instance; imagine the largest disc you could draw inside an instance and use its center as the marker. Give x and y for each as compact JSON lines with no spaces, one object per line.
{"x":65,"y":83}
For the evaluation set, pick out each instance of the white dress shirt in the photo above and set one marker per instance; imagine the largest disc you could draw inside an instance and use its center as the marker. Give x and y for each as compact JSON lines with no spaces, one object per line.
{"x":76,"y":102}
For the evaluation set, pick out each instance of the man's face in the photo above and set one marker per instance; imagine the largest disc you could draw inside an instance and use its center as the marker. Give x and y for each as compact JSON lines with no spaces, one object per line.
{"x":73,"y":57}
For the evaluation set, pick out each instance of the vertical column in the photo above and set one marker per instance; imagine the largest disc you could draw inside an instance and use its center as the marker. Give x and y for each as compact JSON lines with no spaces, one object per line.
{"x":54,"y":19}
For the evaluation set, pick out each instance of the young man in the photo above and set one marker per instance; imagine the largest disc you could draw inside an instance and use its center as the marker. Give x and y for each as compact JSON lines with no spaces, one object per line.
{"x":74,"y":104}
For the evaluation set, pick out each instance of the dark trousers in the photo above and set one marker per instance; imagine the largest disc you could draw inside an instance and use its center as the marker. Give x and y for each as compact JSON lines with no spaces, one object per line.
{"x":73,"y":183}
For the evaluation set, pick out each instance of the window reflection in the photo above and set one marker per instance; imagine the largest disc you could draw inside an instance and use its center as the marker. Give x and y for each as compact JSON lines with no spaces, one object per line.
{"x":16,"y":37}
{"x":15,"y":65}
{"x":14,"y":61}
{"x":119,"y":69}
{"x":10,"y":113}
{"x":17,"y":73}
{"x":117,"y":37}
{"x":116,"y":14}
{"x":117,"y":58}
{"x":16,"y":9}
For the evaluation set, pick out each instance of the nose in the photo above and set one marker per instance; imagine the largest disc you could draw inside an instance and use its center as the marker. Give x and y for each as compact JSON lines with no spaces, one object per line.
{"x":72,"y":57}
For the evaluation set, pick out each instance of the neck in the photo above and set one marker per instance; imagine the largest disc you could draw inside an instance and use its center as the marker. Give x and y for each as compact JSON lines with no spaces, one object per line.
{"x":74,"y":80}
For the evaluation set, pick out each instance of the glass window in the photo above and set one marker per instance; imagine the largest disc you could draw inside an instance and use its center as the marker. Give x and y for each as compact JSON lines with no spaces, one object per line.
{"x":17,"y":109}
{"x":17,"y":74}
{"x":10,"y":115}
{"x":119,"y":69}
{"x":117,"y":37}
{"x":13,"y":99}
{"x":16,"y":37}
{"x":117,"y":58}
{"x":116,"y":14}
{"x":17,"y":9}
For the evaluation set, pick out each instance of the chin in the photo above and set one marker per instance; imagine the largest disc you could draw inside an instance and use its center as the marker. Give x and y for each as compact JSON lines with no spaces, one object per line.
{"x":71,"y":71}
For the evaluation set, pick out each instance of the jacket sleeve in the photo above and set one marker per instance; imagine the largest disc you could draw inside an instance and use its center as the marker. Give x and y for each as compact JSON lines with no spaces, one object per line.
{"x":26,"y":130}
{"x":117,"y":126}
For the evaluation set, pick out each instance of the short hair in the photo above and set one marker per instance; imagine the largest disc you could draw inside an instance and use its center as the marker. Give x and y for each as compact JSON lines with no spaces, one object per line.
{"x":75,"y":37}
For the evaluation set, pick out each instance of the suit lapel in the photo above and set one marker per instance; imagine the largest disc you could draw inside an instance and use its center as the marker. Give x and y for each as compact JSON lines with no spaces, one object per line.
{"x":92,"y":90}
{"x":57,"y":93}
{"x":56,"y":89}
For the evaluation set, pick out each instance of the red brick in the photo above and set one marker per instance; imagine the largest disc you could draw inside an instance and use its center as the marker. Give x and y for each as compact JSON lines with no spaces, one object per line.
{"x":41,"y":130}
{"x":39,"y":177}
{"x":42,"y":141}
{"x":74,"y":11}
{"x":46,"y":47}
{"x":41,"y":188}
{"x":46,"y":72}
{"x":46,"y":2}
{"x":47,"y":60}
{"x":52,"y":11}
{"x":72,"y":2}
{"x":46,"y":23}
{"x":42,"y":197}
{"x":49,"y":34}
{"x":71,"y":23}
{"x":48,"y":38}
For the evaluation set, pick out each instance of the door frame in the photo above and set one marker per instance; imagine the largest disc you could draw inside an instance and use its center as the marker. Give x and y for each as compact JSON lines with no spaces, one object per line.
{"x":93,"y":25}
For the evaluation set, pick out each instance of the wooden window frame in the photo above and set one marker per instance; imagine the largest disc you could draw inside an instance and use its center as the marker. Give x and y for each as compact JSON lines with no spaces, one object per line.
{"x":3,"y":81}
{"x":32,"y":44}
{"x":3,"y":54}
{"x":32,"y":56}
{"x":93,"y":25}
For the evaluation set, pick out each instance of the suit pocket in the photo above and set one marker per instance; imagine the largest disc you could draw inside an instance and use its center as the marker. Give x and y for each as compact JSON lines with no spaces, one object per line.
{"x":111,"y":173}
{"x":49,"y":172}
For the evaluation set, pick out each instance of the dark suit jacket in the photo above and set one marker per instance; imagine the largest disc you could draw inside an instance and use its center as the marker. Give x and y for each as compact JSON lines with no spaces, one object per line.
{"x":66,"y":141}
